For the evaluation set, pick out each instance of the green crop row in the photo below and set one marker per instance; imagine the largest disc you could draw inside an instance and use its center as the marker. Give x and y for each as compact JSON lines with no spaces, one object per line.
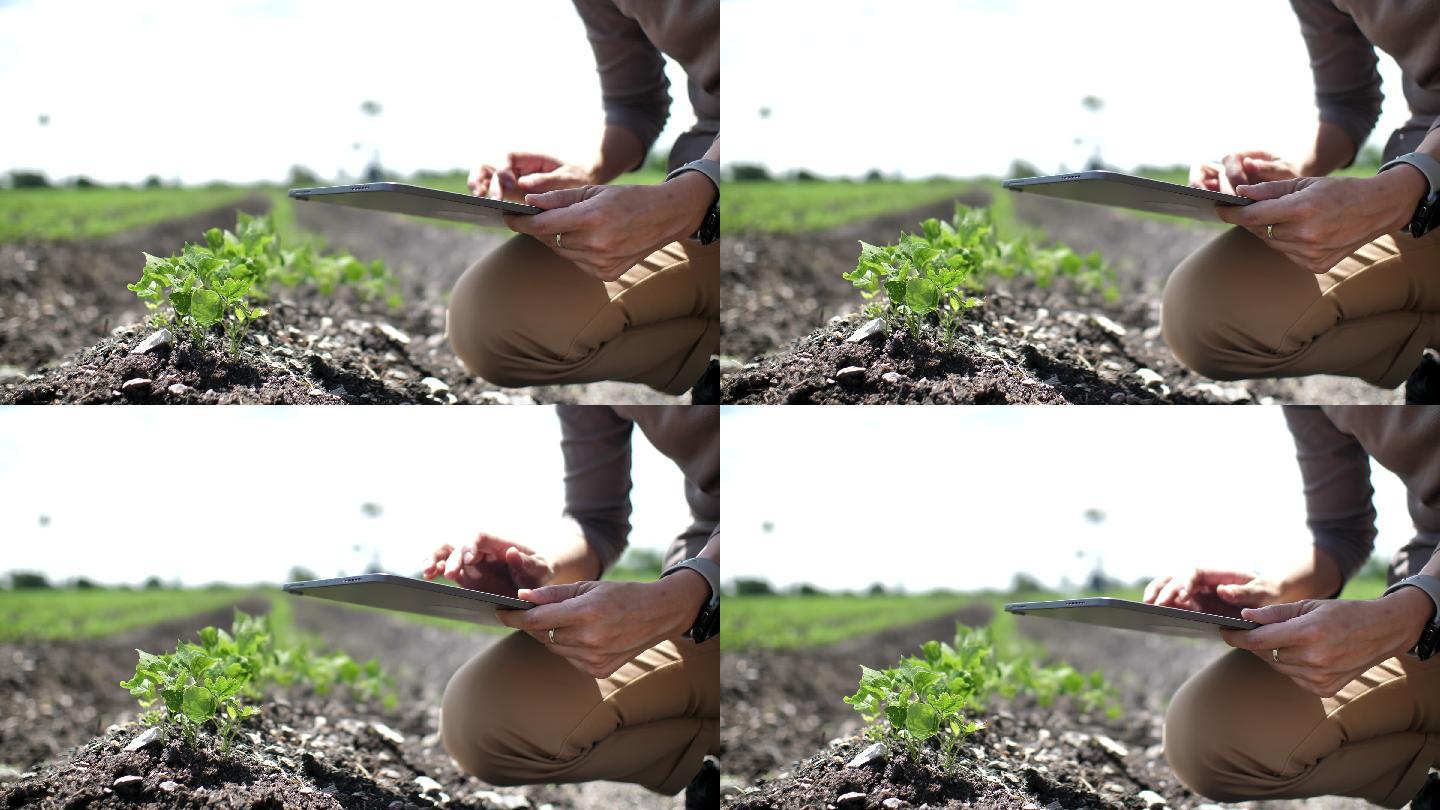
{"x":786,"y":622}
{"x":65,"y":214}
{"x":798,"y":207}
{"x":67,"y":615}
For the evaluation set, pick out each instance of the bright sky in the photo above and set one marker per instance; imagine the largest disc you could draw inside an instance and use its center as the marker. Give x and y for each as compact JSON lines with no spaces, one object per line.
{"x":964,"y":498}
{"x":242,"y":90}
{"x":244,"y":494}
{"x":963,"y":88}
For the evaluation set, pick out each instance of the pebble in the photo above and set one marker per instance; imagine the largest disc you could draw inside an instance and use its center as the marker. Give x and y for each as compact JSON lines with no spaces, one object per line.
{"x":145,"y":738}
{"x":892,"y":377}
{"x":388,"y":733}
{"x":893,"y":803}
{"x":179,"y":389}
{"x":1108,"y":326}
{"x":850,"y":373}
{"x":161,"y":339}
{"x":139,"y":385}
{"x":729,"y":365}
{"x":127,"y":782}
{"x":493,"y":398}
{"x":1149,"y":376}
{"x":492,"y":799}
{"x":867,"y":330}
{"x":169,"y":786}
{"x":1117,"y":398}
{"x":394,"y":334}
{"x":852,"y":799}
{"x":435,"y":385}
{"x":1152,"y":799}
{"x":876,"y":751}
{"x":1111,"y":747}
{"x":428,"y":785}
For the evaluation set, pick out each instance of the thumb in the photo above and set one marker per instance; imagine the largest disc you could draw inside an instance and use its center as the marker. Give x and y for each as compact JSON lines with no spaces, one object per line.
{"x":1270,"y":190}
{"x":526,"y":568}
{"x":537,"y":183}
{"x":559,"y":198}
{"x":550,"y":594}
{"x":1274,"y":614}
{"x":1241,"y":594}
{"x":1268,"y":169}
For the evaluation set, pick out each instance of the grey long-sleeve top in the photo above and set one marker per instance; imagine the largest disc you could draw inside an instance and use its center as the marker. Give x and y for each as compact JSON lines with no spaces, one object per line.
{"x":1334,"y":446}
{"x":1341,"y":36}
{"x":596,"y":443}
{"x":628,"y":37}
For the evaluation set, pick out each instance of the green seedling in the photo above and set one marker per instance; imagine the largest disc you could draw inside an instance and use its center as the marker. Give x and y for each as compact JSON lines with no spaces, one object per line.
{"x":937,"y":696}
{"x":222,"y":281}
{"x":213,"y":682}
{"x":939,"y":272}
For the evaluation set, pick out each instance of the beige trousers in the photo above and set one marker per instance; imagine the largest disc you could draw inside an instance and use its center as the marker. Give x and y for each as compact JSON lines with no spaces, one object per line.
{"x":1237,"y":309}
{"x":1239,"y":730}
{"x":524,"y":316}
{"x":518,"y":714}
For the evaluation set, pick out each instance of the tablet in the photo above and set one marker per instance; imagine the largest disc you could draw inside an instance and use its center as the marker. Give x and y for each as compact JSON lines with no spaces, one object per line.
{"x":392,"y":592}
{"x":1127,"y":615}
{"x":1124,"y":191}
{"x":416,"y":201}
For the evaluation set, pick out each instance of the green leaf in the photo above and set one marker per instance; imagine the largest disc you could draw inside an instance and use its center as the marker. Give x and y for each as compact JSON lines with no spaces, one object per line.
{"x":199,"y":704}
{"x":205,"y":307}
{"x":921,"y":721}
{"x":921,"y":295}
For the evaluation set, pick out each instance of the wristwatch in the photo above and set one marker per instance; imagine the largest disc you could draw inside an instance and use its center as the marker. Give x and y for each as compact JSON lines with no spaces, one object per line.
{"x":710,"y":226}
{"x":707,"y":623}
{"x":1430,"y":637}
{"x":1427,"y":214}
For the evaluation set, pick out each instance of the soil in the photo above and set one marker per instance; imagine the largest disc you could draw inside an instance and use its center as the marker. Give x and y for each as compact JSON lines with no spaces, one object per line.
{"x":300,"y":751}
{"x":1029,"y":756}
{"x":1025,"y":344}
{"x":68,"y":325}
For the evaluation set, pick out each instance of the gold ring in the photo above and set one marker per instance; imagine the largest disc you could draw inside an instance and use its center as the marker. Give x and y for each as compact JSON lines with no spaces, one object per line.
{"x":1274,"y":654}
{"x":1269,"y":233}
{"x":552,"y":633}
{"x":557,"y":241}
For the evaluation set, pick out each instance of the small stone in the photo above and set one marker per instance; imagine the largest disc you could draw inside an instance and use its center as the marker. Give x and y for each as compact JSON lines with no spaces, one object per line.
{"x":494,"y":398}
{"x":127,"y":783}
{"x":160,"y":339}
{"x":852,"y":799}
{"x":1149,"y":376}
{"x":875,"y":752}
{"x":1152,"y":799}
{"x":892,"y":377}
{"x":729,"y":365}
{"x":318,"y":392}
{"x":146,"y":737}
{"x":8,"y":774}
{"x":388,"y":733}
{"x":137,"y":387}
{"x":394,"y":334}
{"x":263,"y":340}
{"x":1117,"y":398}
{"x":428,"y":785}
{"x":850,"y":374}
{"x":1111,"y":747}
{"x":1108,"y":326}
{"x":179,"y":389}
{"x":435,"y":386}
{"x":492,"y":799}
{"x":169,"y":786}
{"x":867,"y":330}
{"x":893,"y":803}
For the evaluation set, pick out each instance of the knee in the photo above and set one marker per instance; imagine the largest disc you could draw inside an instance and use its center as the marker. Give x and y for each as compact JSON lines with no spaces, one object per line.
{"x":482,"y":321}
{"x":474,"y":726}
{"x":1198,"y":309}
{"x":1205,"y":731}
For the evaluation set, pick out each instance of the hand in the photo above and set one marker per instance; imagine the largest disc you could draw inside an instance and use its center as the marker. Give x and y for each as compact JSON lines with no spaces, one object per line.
{"x":1211,"y":590}
{"x":527,"y":173}
{"x":1323,"y":644}
{"x":490,"y":564}
{"x":1316,"y":222}
{"x":606,"y":230}
{"x":1245,"y":167}
{"x":599,"y":626}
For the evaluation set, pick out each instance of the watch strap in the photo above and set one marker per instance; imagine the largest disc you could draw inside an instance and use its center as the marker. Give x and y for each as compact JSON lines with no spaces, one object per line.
{"x":1430,"y":638}
{"x":709,"y":168}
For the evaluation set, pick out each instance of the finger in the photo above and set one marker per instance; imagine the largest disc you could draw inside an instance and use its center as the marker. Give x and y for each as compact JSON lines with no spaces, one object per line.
{"x":1241,"y":595}
{"x":1271,"y":190}
{"x":540,"y":183}
{"x":1262,"y":213}
{"x":1267,"y":169}
{"x":1233,"y":174}
{"x":1153,"y":589}
{"x":558,"y":220}
{"x":454,"y":562}
{"x":505,"y":178}
{"x":559,"y":198}
{"x":479,"y":180}
{"x":1272,"y":636}
{"x":1201,"y":175}
{"x":524,"y":567}
{"x":553,"y":594}
{"x":1169,"y":595}
{"x":513,"y":618}
{"x":529,"y":162}
{"x":1272,"y":614}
